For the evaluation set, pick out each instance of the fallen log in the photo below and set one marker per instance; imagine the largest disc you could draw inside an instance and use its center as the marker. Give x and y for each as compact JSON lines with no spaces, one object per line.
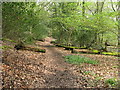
{"x":34,"y":49}
{"x":59,"y":45}
{"x":23,"y":47}
{"x":87,"y":51}
{"x":68,"y":48}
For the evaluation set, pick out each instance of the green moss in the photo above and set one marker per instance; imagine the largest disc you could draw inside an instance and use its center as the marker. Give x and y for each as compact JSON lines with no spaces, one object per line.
{"x":6,"y":39}
{"x":75,"y":47}
{"x":95,"y":51}
{"x":60,"y":45}
{"x":115,"y":66}
{"x":42,"y":50}
{"x":110,"y":53}
{"x":112,"y":81}
{"x":76,"y":59}
{"x":5,"y":47}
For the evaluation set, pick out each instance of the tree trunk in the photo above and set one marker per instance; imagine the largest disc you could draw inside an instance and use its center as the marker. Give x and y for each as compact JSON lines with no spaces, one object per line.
{"x":83,"y":8}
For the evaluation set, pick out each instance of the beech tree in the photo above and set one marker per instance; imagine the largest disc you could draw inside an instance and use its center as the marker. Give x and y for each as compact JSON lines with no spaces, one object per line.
{"x":89,"y":24}
{"x":24,"y":21}
{"x":82,"y":24}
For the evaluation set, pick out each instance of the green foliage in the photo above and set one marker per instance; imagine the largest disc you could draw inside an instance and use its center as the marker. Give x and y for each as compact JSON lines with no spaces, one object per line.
{"x":24,"y":21}
{"x":112,"y":81}
{"x":76,"y":59}
{"x":28,"y":21}
{"x":71,"y":28}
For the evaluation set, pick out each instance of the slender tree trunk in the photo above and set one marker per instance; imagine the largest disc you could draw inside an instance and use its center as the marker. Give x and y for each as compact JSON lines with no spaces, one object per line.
{"x":102,"y":4}
{"x":118,"y":19}
{"x":83,"y":8}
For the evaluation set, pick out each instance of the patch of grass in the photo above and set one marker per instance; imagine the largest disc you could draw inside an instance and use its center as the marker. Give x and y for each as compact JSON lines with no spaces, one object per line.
{"x":111,"y":82}
{"x":76,"y":59}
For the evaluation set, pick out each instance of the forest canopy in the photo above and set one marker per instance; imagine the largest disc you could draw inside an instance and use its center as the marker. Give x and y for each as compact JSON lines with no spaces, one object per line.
{"x":81,"y":24}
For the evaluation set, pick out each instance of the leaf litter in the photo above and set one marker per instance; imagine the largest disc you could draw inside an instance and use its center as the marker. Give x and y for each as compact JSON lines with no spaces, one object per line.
{"x":27,"y":69}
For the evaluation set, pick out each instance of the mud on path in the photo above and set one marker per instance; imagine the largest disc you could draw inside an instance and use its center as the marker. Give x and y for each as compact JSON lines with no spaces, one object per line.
{"x":27,"y":69}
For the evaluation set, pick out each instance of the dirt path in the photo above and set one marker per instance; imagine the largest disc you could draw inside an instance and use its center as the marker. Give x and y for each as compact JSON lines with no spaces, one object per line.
{"x":58,"y":72}
{"x":27,"y":69}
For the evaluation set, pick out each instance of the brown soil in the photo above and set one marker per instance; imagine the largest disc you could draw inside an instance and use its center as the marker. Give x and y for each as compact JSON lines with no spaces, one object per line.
{"x":27,"y":69}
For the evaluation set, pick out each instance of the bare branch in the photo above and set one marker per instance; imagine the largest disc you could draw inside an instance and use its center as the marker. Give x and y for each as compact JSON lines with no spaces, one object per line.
{"x":90,"y":10}
{"x":112,"y":6}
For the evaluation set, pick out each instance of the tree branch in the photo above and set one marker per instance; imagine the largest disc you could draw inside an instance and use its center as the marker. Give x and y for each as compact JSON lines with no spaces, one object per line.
{"x":112,"y":6}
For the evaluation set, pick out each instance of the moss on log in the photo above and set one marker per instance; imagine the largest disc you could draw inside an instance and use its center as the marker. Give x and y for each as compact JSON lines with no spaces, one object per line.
{"x":69,"y":47}
{"x":34,"y":49}
{"x":87,"y":51}
{"x":23,"y":47}
{"x":59,"y":45}
{"x":111,"y":53}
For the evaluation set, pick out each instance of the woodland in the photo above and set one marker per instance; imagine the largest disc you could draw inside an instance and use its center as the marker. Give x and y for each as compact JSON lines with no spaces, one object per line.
{"x":60,"y":44}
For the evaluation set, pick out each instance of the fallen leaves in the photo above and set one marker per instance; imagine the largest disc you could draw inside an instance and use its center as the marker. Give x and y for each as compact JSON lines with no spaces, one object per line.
{"x":27,"y":69}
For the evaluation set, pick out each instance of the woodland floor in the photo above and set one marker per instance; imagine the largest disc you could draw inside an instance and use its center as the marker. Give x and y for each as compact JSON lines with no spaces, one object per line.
{"x":28,"y":69}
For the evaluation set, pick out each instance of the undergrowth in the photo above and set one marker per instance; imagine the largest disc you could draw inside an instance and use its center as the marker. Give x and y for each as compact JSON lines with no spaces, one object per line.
{"x":112,"y":82}
{"x":77,"y":59}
